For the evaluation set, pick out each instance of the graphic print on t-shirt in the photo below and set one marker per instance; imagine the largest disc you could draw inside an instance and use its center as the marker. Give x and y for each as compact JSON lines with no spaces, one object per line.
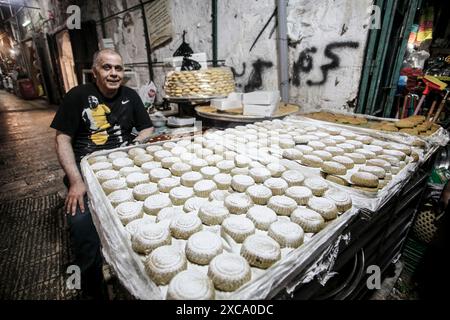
{"x":96,"y":118}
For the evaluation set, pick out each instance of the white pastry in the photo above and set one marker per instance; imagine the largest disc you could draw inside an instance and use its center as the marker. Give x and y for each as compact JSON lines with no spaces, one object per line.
{"x":377,"y":171}
{"x":346,"y":161}
{"x":300,"y":194}
{"x":312,"y":161}
{"x":161,"y":154}
{"x":149,"y":166}
{"x":262,"y":217}
{"x":164,"y":263}
{"x":277,"y":185}
{"x":318,"y":186}
{"x":218,"y":195}
{"x":238,"y":203}
{"x":325,"y":207}
{"x":167,"y":184}
{"x":213,"y":214}
{"x":145,"y":190}
{"x":114,"y":185}
{"x":341,"y":199}
{"x":129,"y":211}
{"x":167,"y":163}
{"x":304,"y":149}
{"x":185,"y":225}
{"x":105,"y":175}
{"x":286,"y":233}
{"x":335,"y":151}
{"x":240,"y":183}
{"x":261,"y":251}
{"x":180,"y":168}
{"x":148,"y":237}
{"x":260,"y":174}
{"x":209,"y":172}
{"x":152,"y":149}
{"x":229,"y":272}
{"x":168,"y":213}
{"x":117,"y":154}
{"x":194,"y":204}
{"x":154,"y":203}
{"x":282,"y":205}
{"x":120,"y":196}
{"x":179,"y":195}
{"x":189,"y":179}
{"x":310,"y":220}
{"x":124,"y":172}
{"x":203,"y":246}
{"x":204,"y":187}
{"x":259,"y":194}
{"x":225,"y":166}
{"x":137,"y":178}
{"x":140,"y":159}
{"x":238,"y":227}
{"x":347,"y":147}
{"x":158,"y":174}
{"x":190,"y":285}
{"x":120,"y":163}
{"x":242,"y":161}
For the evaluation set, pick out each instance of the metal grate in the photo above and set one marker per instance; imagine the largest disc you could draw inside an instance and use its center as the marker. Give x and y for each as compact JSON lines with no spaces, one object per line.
{"x":35,"y":249}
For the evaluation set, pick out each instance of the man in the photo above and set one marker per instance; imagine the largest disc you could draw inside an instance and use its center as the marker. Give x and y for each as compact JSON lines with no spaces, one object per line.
{"x":93,"y":117}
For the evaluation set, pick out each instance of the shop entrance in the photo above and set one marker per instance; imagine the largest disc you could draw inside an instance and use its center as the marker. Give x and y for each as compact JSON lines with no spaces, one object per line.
{"x":66,"y":61}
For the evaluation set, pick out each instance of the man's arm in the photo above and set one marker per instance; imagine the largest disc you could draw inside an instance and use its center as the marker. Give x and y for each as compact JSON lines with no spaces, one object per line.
{"x":66,"y":158}
{"x":144,"y":135}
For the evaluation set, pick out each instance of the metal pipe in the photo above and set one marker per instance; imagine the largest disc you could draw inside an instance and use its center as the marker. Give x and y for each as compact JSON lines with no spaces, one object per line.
{"x":138,"y":6}
{"x":148,"y":46}
{"x":283,"y":65}
{"x":214,"y":32}
{"x":100,"y":10}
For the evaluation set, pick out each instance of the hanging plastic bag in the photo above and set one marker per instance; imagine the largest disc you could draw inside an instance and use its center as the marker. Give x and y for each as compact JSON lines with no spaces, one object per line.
{"x":147,"y":93}
{"x":184,"y":50}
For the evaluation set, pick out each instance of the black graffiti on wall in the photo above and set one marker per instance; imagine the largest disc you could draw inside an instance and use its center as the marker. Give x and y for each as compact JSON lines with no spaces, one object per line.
{"x":303,"y":66}
{"x":255,"y":79}
{"x":305,"y":62}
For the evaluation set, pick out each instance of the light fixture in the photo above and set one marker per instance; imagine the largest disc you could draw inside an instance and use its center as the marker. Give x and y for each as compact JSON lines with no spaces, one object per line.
{"x":26,"y":23}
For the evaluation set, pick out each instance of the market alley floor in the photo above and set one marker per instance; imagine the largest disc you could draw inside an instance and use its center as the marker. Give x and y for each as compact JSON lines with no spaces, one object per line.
{"x":34,"y":247}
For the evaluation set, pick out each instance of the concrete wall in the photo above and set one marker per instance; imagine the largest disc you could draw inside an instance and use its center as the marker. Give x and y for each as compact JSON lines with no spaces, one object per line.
{"x":326,"y":52}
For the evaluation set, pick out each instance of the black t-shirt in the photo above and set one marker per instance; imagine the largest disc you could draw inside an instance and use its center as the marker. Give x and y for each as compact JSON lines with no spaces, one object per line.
{"x":95,"y":122}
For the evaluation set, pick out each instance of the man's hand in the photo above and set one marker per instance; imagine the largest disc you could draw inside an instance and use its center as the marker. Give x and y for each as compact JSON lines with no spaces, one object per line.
{"x":75,"y":198}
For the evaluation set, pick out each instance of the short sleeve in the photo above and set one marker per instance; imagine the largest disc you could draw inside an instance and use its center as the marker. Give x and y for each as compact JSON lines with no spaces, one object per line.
{"x":141,"y":117}
{"x":67,"y":118}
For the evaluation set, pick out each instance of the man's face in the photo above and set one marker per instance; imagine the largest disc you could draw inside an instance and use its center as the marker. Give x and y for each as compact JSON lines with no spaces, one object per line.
{"x":108,"y":73}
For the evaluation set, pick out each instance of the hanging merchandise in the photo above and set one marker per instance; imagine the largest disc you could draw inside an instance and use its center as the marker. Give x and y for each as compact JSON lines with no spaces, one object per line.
{"x":425,"y":34}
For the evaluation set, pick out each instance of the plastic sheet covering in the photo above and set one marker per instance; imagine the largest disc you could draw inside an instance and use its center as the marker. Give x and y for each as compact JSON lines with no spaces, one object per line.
{"x":129,"y":268}
{"x":322,"y":268}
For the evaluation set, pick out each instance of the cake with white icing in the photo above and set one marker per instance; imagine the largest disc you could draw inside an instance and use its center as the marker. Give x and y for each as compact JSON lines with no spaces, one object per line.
{"x":365,"y":179}
{"x":161,"y":154}
{"x":218,"y":195}
{"x":190,"y":285}
{"x":262,"y":217}
{"x":242,"y":161}
{"x":203,"y":246}
{"x":357,"y":158}
{"x":375,"y":149}
{"x":185,"y":225}
{"x":148,"y":237}
{"x":197,"y":164}
{"x":164,"y":263}
{"x":229,"y":272}
{"x":129,"y":211}
{"x":240,"y":183}
{"x":366,"y":153}
{"x":286,"y":233}
{"x":312,"y":161}
{"x":152,"y":149}
{"x":143,"y":191}
{"x":333,"y":167}
{"x":261,"y":251}
{"x":203,"y":188}
{"x":259,"y":194}
{"x":346,"y":161}
{"x":310,"y":220}
{"x":377,"y":171}
{"x":335,"y":151}
{"x":347,"y":147}
{"x":225,"y":166}
{"x":238,"y":227}
{"x":209,"y":172}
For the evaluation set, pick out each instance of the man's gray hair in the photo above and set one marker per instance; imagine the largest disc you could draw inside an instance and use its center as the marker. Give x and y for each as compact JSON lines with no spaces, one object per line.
{"x":96,"y":59}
